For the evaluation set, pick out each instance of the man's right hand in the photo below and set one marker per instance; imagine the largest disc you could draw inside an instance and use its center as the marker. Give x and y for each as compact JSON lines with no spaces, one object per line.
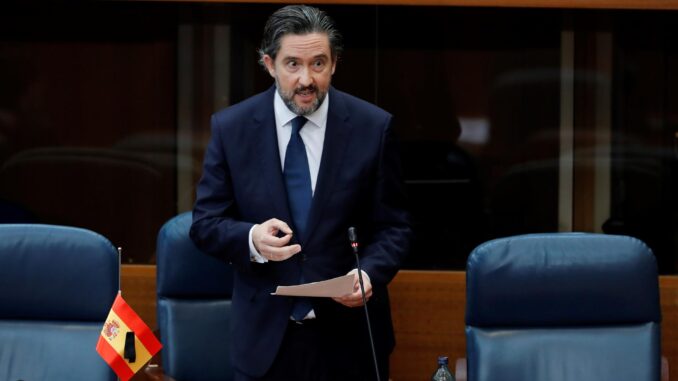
{"x":269,"y":245}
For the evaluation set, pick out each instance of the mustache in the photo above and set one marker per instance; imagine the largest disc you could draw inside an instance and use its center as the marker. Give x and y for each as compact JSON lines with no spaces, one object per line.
{"x":313,"y":88}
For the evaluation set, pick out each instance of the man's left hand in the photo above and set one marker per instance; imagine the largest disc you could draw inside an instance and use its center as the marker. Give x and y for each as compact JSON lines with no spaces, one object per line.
{"x":355,"y":299}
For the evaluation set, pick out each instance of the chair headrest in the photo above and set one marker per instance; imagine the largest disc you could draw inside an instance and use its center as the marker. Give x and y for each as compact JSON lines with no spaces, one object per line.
{"x":56,"y":273}
{"x":561,"y":279}
{"x":184,"y":270}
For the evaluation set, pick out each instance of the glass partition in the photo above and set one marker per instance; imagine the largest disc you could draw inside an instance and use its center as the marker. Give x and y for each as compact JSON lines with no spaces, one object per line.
{"x":510,"y":121}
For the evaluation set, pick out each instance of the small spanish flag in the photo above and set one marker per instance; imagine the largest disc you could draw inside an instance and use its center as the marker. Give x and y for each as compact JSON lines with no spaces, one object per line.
{"x":126,"y":343}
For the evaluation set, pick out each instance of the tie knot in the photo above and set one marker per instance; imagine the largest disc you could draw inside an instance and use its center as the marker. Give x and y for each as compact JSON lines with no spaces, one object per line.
{"x":297,"y":123}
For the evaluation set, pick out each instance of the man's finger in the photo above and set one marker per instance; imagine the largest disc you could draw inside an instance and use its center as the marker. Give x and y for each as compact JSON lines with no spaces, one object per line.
{"x":271,"y":240}
{"x":353,"y":300}
{"x":275,"y":224}
{"x":281,"y":253}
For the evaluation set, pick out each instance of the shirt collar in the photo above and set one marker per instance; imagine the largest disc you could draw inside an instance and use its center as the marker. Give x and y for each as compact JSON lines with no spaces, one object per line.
{"x":284,"y":115}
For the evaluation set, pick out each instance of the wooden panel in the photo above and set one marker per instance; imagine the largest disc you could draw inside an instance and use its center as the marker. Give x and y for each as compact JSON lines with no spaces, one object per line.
{"x":668,"y":291}
{"x":138,"y":290}
{"x":570,"y":4}
{"x":428,"y":316}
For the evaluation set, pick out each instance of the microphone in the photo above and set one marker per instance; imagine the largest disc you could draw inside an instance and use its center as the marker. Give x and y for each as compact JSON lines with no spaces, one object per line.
{"x":353,"y":238}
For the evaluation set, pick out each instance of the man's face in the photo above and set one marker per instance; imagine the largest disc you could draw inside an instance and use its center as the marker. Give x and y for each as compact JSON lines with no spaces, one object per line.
{"x":302,"y":70}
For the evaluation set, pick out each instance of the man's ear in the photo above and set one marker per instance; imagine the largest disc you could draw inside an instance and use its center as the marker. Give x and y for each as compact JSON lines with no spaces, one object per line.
{"x":270,"y":65}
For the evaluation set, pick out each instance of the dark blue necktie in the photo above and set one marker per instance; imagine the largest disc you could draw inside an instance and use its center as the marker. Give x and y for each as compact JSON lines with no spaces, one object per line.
{"x":299,"y":196}
{"x":298,"y":177}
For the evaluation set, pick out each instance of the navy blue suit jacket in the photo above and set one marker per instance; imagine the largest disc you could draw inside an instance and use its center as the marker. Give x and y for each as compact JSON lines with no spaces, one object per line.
{"x":359,"y":184}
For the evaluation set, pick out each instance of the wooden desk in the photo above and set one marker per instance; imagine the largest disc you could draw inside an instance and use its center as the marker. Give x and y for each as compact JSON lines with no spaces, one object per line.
{"x":428,"y":316}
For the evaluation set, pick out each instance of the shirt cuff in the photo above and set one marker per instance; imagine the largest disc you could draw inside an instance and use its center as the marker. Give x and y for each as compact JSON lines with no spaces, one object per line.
{"x":254,"y":254}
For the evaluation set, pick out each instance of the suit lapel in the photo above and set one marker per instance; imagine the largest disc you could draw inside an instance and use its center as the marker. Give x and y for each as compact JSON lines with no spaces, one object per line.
{"x":337,"y":134}
{"x":269,"y":157}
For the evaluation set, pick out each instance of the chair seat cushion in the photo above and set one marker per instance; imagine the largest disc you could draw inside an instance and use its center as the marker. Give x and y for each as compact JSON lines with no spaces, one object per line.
{"x":51,"y":351}
{"x":565,"y":354}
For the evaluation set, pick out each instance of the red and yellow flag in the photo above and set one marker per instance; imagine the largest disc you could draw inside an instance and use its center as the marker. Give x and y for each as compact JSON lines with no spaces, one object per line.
{"x":111,"y":346}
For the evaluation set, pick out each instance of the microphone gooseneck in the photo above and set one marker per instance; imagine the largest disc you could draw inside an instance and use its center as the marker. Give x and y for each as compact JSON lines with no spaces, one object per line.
{"x":353,"y":238}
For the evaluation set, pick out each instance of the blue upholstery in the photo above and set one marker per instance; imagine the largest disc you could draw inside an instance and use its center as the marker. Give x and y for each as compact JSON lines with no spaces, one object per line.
{"x":563,"y":307}
{"x":57,"y":285}
{"x":194,"y":292}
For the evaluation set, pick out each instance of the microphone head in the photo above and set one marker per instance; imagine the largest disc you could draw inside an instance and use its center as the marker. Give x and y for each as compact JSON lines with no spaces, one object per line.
{"x":352,"y":235}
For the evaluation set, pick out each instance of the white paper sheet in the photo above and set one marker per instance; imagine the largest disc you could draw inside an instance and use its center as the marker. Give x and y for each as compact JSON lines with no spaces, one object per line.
{"x":330,"y":288}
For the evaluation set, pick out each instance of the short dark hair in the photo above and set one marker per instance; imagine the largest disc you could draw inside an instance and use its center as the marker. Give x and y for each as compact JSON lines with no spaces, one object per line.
{"x":299,"y":20}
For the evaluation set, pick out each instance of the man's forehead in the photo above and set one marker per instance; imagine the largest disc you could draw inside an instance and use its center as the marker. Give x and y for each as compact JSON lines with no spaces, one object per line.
{"x":311,"y":44}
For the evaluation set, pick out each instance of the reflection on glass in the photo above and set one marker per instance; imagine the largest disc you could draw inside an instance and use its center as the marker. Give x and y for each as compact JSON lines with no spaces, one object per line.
{"x":104,"y":117}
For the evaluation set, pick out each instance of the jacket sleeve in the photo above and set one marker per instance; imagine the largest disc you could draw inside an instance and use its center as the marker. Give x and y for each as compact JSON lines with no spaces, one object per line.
{"x":390,"y":241}
{"x":216,"y":229}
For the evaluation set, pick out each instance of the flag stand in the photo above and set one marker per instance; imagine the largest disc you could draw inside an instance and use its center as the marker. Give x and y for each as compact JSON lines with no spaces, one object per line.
{"x":126,"y":343}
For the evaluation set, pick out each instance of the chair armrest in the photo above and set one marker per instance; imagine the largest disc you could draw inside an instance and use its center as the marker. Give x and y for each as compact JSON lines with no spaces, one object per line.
{"x":665,"y":369}
{"x":460,"y":370}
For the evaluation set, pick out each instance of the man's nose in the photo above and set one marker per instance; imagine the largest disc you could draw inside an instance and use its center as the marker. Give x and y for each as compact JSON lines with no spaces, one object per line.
{"x":305,"y":77}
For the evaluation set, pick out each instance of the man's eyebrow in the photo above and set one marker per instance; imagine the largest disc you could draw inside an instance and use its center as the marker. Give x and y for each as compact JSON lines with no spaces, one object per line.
{"x":321,"y":55}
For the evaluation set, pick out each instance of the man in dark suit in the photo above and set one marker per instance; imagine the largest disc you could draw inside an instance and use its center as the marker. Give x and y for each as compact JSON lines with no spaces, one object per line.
{"x":286,"y":173}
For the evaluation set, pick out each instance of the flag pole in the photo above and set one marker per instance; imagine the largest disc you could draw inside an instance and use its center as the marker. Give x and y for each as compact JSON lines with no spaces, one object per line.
{"x":119,"y":269}
{"x":119,"y":278}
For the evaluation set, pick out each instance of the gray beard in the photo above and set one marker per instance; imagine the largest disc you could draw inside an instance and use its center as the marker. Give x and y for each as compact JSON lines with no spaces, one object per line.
{"x":288,"y":99}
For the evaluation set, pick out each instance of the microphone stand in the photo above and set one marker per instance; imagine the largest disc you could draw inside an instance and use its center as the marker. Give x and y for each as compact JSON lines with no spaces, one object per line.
{"x":353,"y":237}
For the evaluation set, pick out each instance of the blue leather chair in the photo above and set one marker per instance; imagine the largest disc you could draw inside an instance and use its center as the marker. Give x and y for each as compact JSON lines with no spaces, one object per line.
{"x":57,"y":285}
{"x":194,"y":304}
{"x":562,"y":307}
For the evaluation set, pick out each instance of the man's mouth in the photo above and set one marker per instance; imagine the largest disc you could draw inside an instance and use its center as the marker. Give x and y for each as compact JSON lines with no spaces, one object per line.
{"x":306,"y":91}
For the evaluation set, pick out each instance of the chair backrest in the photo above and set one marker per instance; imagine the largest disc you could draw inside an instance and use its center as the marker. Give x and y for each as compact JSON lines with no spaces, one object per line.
{"x":563,"y":307}
{"x":194,"y":306}
{"x":57,"y":285}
